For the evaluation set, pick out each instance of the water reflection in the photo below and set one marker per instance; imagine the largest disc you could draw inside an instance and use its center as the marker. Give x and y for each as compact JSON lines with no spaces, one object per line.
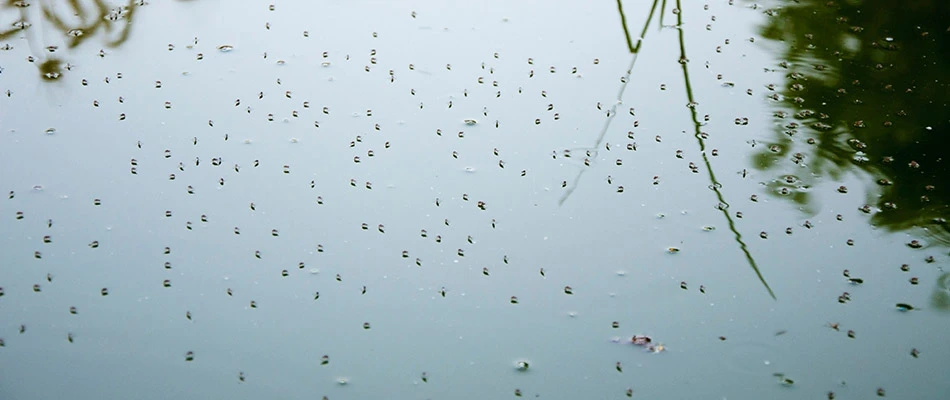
{"x":864,"y":92}
{"x":700,"y":140}
{"x":227,"y":287}
{"x":72,"y":23}
{"x":714,"y":185}
{"x":941,"y":296}
{"x":634,"y":50}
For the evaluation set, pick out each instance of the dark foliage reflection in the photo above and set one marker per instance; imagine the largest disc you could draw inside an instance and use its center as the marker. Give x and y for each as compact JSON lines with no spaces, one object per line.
{"x":866,"y":91}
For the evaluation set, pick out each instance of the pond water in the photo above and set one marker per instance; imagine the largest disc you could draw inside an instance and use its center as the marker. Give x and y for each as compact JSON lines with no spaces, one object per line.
{"x":378,"y":199}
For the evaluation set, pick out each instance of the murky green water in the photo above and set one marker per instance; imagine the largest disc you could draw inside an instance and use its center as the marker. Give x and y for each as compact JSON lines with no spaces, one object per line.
{"x":473,"y":200}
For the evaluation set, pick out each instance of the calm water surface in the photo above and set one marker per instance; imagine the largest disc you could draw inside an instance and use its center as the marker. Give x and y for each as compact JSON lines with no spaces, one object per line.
{"x":207,"y":202}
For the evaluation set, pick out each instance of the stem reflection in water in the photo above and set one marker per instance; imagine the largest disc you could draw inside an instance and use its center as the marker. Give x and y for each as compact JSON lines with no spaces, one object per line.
{"x":634,"y":49}
{"x":714,"y":185}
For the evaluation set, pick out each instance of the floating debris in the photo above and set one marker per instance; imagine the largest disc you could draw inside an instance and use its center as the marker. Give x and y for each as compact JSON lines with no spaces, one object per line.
{"x":641,"y":340}
{"x":904,"y":307}
{"x":783,"y":380}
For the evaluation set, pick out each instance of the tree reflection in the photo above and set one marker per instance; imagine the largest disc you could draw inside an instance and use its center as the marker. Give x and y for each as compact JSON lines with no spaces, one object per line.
{"x":74,"y":22}
{"x":866,"y":91}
